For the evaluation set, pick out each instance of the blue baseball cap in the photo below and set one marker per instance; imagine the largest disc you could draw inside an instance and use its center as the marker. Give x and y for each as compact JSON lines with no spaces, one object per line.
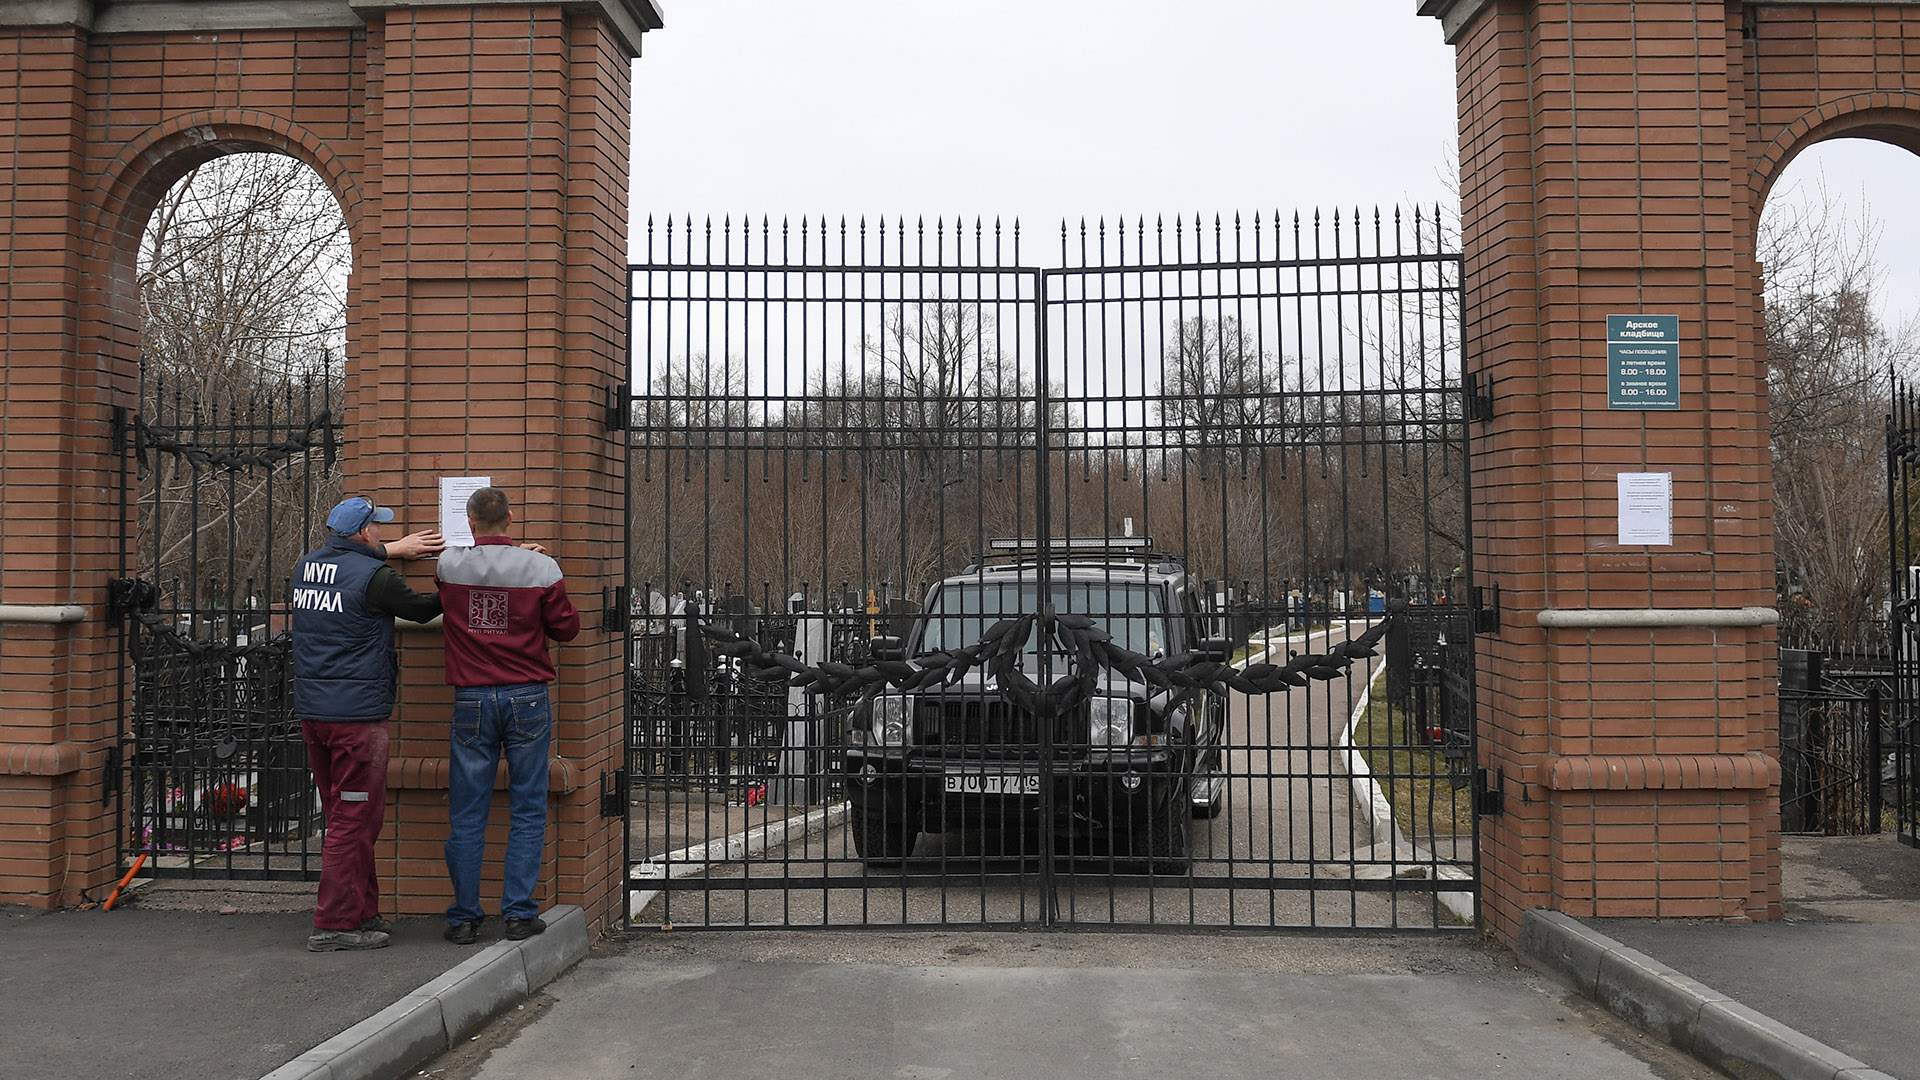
{"x":352,"y":515}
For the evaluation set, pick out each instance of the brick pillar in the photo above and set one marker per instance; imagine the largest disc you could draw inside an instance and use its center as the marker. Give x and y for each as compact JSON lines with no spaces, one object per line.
{"x":1628,"y":699}
{"x":498,"y":172}
{"x":57,"y":538}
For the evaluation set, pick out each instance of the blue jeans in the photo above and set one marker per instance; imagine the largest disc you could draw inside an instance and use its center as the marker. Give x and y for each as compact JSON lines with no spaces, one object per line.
{"x":487,"y":720}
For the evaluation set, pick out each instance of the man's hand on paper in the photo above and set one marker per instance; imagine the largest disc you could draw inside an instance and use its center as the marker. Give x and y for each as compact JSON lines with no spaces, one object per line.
{"x":416,"y":545}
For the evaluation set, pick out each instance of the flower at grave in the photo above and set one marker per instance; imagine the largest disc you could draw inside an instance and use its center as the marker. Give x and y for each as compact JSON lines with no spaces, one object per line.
{"x":226,"y":800}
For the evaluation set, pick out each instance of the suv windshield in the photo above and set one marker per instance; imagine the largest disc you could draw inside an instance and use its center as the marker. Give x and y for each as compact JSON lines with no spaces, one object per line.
{"x":961,"y":611}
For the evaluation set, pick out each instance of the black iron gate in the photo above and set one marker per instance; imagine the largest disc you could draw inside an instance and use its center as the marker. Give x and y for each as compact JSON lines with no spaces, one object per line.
{"x":965,"y":592}
{"x":219,"y":493}
{"x":1903,"y":592}
{"x":1835,"y":741}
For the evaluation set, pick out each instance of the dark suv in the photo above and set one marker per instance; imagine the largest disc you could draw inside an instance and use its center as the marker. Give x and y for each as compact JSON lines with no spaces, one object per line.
{"x":1128,"y":769}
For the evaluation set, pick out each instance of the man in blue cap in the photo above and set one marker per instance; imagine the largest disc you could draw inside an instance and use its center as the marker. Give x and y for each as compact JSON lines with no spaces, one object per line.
{"x":345,"y":670}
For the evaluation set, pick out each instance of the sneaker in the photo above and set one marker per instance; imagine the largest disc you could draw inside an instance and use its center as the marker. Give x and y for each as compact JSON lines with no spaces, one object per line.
{"x":465,"y":933}
{"x":346,"y":940}
{"x":522,"y":929}
{"x":379,"y":924}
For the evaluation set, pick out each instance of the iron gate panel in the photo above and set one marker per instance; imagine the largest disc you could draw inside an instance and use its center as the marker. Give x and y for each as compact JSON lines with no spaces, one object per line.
{"x":871,"y":444}
{"x":1903,"y":591}
{"x":218,"y":496}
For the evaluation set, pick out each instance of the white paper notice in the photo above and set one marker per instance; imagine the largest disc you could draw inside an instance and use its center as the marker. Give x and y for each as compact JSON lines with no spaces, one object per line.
{"x":454,"y":492}
{"x":1646,"y":508}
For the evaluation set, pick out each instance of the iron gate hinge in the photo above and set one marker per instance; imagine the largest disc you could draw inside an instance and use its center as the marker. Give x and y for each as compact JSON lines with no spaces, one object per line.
{"x":613,"y":795}
{"x":620,"y":408}
{"x":110,"y":778}
{"x":1480,"y":397}
{"x":1489,"y":800}
{"x":615,"y":617}
{"x":119,"y":429}
{"x":1486,"y":617}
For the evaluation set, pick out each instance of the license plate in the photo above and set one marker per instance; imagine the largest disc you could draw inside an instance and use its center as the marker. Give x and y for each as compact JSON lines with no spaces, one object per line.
{"x":993,"y":783}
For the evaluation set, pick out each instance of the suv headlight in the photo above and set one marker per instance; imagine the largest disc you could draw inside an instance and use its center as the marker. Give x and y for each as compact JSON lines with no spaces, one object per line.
{"x":892,"y":724}
{"x":1110,"y":721}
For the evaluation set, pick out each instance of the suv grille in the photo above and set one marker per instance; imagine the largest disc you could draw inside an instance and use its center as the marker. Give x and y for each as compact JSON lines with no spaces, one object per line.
{"x":987,"y":727}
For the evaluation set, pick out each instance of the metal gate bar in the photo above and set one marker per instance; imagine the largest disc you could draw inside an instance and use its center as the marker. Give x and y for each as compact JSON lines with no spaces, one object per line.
{"x":1196,"y":436}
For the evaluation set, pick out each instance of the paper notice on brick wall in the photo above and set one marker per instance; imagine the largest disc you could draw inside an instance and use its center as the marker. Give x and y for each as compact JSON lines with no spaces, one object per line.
{"x":454,"y":493}
{"x":1646,"y":508}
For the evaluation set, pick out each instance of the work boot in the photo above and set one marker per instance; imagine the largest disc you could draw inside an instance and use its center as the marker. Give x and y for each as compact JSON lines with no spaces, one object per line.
{"x":464,"y":933}
{"x":522,"y":929}
{"x":346,"y":940}
{"x":379,"y":924}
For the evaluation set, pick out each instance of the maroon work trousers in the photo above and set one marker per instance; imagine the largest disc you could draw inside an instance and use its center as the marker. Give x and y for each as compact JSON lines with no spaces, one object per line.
{"x":349,"y":766}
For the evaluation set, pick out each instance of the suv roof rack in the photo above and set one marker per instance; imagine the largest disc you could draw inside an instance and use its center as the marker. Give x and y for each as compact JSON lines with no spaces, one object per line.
{"x":1020,"y":551}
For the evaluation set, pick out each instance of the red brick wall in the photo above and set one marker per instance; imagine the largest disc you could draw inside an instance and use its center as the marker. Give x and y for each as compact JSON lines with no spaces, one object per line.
{"x":481,"y":158}
{"x":53,"y":679}
{"x":501,"y":194}
{"x":1615,"y":158}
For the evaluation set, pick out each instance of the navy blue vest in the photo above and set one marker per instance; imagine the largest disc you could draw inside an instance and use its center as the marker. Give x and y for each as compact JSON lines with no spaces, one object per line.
{"x":344,"y":665}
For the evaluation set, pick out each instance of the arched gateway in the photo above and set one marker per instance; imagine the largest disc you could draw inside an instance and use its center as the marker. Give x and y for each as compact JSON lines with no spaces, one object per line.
{"x":1614,"y":161}
{"x":480,"y":153}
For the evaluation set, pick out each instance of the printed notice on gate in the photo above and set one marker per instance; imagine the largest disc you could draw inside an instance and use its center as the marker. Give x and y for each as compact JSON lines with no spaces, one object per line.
{"x":454,"y":493}
{"x":1646,"y":508}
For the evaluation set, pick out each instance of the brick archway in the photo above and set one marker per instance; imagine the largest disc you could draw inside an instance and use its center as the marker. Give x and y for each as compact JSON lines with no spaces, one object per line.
{"x":133,"y":183}
{"x":1891,"y":118}
{"x":1616,"y":159}
{"x":479,"y":151}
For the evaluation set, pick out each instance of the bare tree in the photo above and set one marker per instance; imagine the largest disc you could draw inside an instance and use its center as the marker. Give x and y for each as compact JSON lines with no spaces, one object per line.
{"x":1830,"y":359}
{"x":242,"y":277}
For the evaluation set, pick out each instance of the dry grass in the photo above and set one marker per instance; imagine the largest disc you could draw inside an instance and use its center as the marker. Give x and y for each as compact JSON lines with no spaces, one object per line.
{"x":1425,"y":803}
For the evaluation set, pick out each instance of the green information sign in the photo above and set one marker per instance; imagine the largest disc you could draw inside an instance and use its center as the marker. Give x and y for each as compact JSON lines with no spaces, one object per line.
{"x":1643,"y":361}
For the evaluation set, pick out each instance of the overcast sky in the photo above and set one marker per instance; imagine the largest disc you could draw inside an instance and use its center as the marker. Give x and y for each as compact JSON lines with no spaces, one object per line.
{"x":1063,"y":108}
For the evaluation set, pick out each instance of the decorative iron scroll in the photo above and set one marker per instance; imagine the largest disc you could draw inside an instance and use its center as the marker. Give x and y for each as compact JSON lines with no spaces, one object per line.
{"x":149,"y":437}
{"x":136,"y":598}
{"x":1091,"y":650}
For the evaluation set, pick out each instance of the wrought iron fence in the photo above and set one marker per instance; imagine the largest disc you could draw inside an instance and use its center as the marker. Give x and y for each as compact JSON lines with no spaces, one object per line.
{"x":1429,"y":659}
{"x":1837,"y":739}
{"x":1903,"y":571}
{"x":219,"y":495}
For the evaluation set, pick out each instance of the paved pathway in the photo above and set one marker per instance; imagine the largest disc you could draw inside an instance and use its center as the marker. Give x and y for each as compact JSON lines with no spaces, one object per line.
{"x":1842,"y":967}
{"x":150,"y":994}
{"x":802,"y":1005}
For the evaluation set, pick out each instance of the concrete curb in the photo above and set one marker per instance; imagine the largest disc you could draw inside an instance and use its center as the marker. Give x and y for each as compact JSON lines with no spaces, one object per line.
{"x":733,"y":847}
{"x":1679,"y":1010}
{"x":437,"y":1016}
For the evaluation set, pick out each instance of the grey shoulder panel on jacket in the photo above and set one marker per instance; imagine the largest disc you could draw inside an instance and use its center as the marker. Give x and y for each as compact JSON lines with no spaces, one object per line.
{"x":498,"y":566}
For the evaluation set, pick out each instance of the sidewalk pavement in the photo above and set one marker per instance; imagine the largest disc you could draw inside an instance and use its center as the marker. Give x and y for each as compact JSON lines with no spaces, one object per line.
{"x":189,"y":994}
{"x":1843,"y":967}
{"x":1064,"y":1006}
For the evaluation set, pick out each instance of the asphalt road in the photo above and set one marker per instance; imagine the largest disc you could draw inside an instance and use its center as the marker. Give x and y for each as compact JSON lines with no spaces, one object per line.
{"x":145,"y":994}
{"x":1287,"y":850}
{"x":1843,"y":967}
